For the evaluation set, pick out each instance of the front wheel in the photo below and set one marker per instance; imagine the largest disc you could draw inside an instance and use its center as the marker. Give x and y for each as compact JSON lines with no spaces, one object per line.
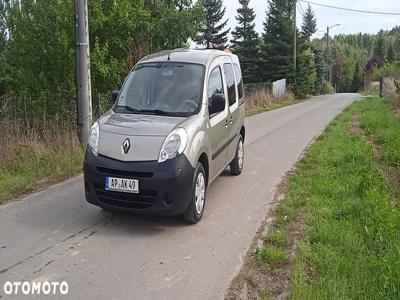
{"x":236,"y":164}
{"x":195,"y":210}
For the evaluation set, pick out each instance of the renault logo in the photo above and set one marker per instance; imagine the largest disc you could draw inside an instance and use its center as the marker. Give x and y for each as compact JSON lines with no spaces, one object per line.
{"x":126,"y":146}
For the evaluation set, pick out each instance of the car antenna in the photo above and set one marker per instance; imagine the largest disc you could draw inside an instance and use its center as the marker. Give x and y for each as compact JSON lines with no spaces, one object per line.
{"x":169,"y":55}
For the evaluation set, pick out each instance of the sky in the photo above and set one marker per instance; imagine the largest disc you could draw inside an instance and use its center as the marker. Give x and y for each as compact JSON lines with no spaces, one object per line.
{"x":351,"y":22}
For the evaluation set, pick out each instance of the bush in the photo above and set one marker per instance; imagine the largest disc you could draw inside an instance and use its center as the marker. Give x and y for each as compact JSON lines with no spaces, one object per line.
{"x":328,"y":88}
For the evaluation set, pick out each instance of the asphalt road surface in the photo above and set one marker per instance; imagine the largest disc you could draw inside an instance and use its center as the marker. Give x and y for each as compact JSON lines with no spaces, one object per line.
{"x":55,"y":235}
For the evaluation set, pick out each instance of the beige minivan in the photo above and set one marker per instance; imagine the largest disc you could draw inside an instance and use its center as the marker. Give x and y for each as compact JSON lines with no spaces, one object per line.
{"x":175,"y":125}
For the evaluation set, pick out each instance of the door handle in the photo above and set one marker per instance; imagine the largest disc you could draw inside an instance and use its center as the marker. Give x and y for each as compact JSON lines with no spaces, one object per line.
{"x":226,"y":123}
{"x":231,"y":120}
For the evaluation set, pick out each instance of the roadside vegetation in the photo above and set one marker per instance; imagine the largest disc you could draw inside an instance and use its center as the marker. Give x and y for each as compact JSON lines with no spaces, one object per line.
{"x":262,"y":100}
{"x":33,"y":162}
{"x":336,"y":233}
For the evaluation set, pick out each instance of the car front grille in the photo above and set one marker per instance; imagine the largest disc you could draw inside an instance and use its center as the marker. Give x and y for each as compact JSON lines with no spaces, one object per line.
{"x":127,"y":174}
{"x":144,"y":200}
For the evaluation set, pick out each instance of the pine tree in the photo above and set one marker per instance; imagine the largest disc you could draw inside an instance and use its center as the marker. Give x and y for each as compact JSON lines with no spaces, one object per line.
{"x":245,"y":42}
{"x":306,"y":71}
{"x":320,"y":69}
{"x":357,"y":78}
{"x":309,"y":26}
{"x":390,"y":54}
{"x":379,"y":49}
{"x":277,"y":46}
{"x":212,"y":33}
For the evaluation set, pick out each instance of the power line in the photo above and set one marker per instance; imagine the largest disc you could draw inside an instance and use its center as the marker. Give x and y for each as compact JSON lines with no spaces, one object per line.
{"x":351,"y":9}
{"x":301,"y":9}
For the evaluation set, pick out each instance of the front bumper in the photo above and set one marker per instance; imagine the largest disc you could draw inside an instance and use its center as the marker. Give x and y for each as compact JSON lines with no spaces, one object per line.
{"x":164,"y":188}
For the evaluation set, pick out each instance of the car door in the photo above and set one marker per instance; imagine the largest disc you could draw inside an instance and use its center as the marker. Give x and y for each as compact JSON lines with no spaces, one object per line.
{"x":233,"y":108}
{"x":218,"y":123}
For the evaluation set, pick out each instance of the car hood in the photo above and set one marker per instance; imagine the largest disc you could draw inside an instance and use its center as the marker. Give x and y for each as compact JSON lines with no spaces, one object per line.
{"x":146,"y":134}
{"x":139,"y":125}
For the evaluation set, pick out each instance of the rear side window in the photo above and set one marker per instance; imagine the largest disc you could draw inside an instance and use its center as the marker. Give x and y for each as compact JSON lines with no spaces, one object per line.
{"x":239,"y":79}
{"x":230,"y":82}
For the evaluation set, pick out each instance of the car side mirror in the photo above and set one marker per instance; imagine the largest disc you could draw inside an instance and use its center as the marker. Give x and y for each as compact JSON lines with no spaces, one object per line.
{"x":216,"y":104}
{"x":114,"y":96}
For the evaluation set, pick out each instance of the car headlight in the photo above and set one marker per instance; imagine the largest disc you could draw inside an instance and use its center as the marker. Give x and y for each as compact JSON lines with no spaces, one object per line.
{"x":174,"y":145}
{"x":94,"y":139}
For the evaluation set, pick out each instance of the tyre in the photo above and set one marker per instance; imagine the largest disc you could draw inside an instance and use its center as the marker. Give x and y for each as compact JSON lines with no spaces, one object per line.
{"x":195,"y":210}
{"x":236,"y":164}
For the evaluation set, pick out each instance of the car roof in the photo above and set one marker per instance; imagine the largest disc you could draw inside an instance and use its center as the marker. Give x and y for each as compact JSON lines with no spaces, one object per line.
{"x":198,"y":56}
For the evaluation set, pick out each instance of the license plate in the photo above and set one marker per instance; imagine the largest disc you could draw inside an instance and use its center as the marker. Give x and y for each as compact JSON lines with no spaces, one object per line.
{"x":122,"y":185}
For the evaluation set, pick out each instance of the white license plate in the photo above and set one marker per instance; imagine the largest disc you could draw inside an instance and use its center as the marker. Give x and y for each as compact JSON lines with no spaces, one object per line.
{"x":122,"y":185}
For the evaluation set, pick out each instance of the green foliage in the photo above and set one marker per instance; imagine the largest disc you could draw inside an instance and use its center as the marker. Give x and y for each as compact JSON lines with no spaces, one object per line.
{"x":245,"y":42}
{"x":379,"y":49}
{"x":387,"y":70}
{"x":343,"y":72}
{"x":277,"y":38}
{"x":213,"y":33}
{"x":320,"y":71}
{"x":306,"y":75}
{"x":390,"y":54}
{"x":328,"y":88}
{"x":357,"y":78}
{"x":309,"y":26}
{"x":40,"y":54}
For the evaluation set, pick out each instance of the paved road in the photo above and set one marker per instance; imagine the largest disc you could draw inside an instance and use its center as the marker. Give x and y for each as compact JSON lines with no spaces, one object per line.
{"x":56,"y":235}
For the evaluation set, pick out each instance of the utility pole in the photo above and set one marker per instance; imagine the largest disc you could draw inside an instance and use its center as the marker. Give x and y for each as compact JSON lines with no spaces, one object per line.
{"x":329,"y":53}
{"x":295,"y":44}
{"x":83,"y":85}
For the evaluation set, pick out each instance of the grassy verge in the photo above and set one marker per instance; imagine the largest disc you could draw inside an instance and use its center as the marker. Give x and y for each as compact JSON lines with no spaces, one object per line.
{"x":30,"y":164}
{"x":351,"y":245}
{"x":262,"y":101}
{"x":336,"y":229}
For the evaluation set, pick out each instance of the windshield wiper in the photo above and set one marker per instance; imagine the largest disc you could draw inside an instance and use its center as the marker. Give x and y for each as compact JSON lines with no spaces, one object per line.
{"x":130,"y":109}
{"x":159,"y":112}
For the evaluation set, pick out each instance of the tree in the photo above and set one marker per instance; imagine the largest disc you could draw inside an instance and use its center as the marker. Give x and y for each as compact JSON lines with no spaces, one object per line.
{"x":40,"y":55}
{"x":396,"y":47}
{"x":390,"y":54}
{"x":277,"y":42}
{"x":320,"y":70}
{"x":306,"y":74}
{"x":379,"y":49}
{"x":245,"y":42}
{"x":309,"y":26}
{"x":3,"y":44}
{"x":213,"y":33}
{"x":357,"y":78}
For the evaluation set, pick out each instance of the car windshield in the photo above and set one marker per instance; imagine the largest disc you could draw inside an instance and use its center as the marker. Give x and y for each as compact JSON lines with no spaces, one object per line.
{"x":170,"y":89}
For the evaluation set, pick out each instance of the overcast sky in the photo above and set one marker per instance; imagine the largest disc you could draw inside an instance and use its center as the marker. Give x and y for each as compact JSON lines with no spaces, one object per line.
{"x":351,"y":22}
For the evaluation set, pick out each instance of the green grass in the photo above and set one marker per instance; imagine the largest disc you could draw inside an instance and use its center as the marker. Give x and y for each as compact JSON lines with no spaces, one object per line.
{"x":29,"y":165}
{"x":378,"y":121}
{"x":271,"y":256}
{"x":350,"y":247}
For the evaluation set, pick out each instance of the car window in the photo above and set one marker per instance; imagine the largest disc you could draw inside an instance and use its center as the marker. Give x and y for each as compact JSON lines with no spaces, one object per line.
{"x":230,"y":82}
{"x":215,"y":85}
{"x":239,"y":79}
